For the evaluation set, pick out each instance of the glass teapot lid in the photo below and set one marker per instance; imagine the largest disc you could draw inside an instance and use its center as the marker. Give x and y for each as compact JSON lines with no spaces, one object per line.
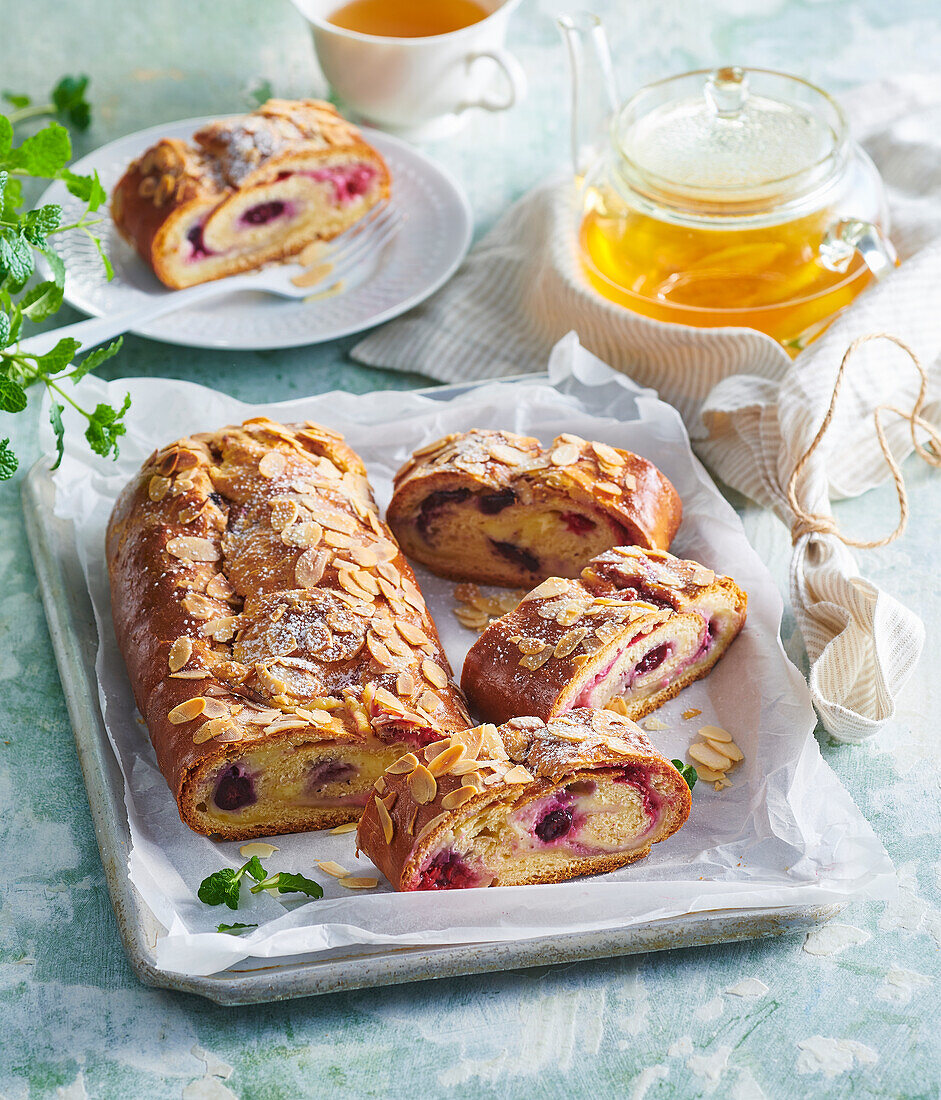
{"x":730,"y":138}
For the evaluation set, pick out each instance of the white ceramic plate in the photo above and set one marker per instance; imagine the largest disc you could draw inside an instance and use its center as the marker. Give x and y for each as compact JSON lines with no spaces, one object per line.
{"x":423,"y":256}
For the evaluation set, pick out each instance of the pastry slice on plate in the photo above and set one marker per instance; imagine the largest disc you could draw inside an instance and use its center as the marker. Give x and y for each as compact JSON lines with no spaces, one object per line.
{"x":529,"y":802}
{"x":247,"y":191}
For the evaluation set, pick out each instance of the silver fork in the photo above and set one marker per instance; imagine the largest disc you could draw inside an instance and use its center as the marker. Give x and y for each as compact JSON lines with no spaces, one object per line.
{"x":338,"y":263}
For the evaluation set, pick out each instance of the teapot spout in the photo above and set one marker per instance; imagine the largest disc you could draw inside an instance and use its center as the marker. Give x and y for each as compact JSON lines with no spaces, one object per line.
{"x":594,"y":91}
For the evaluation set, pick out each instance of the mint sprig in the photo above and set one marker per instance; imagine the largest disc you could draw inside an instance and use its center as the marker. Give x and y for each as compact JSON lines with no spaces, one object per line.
{"x":222,"y":887}
{"x":687,"y":771}
{"x":286,"y":883}
{"x":234,"y":929}
{"x":25,"y":234}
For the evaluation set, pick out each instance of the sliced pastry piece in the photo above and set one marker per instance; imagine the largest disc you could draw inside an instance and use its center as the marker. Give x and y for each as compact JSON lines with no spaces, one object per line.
{"x":639,"y":626}
{"x":277,"y":644}
{"x":500,"y":508}
{"x":526,"y":803}
{"x":247,"y":191}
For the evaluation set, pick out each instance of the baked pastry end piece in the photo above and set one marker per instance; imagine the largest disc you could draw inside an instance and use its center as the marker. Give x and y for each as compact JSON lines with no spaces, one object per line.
{"x":530,"y":802}
{"x":498,"y":508}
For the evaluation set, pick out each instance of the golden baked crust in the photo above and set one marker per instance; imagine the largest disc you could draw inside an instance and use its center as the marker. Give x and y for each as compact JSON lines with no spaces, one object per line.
{"x":638,"y":626}
{"x":179,"y":205}
{"x":499,"y":508}
{"x":267,"y":616}
{"x":475,"y":809}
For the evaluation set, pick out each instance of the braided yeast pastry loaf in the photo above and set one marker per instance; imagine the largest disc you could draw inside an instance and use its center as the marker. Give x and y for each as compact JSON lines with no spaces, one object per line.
{"x":530,"y":802}
{"x":639,"y":626}
{"x":499,"y":508}
{"x":247,"y":191}
{"x":277,"y":644}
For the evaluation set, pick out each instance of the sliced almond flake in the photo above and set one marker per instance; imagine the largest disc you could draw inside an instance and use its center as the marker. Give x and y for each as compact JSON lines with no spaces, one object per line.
{"x":422,"y":785}
{"x":220,"y":587}
{"x":157,"y":488}
{"x":338,"y":540}
{"x":411,"y":633}
{"x":180,"y":653}
{"x":272,"y":464}
{"x":346,"y":580}
{"x":205,"y":733}
{"x":222,"y":629}
{"x":617,"y":705}
{"x":569,"y":642}
{"x":386,"y":552}
{"x":714,"y":733}
{"x":569,"y":615}
{"x":564,"y":455}
{"x":708,"y":775}
{"x":608,"y":455}
{"x":187,"y":711}
{"x":693,"y":712}
{"x":443,"y":761}
{"x":283,"y":724}
{"x":459,"y":797}
{"x":191,"y":548}
{"x":518,"y":775}
{"x":465,"y":767}
{"x":440,"y":819}
{"x":309,"y":568}
{"x":258,"y":848}
{"x":702,"y":576}
{"x":407,"y":763}
{"x":406,"y":684}
{"x":352,"y":882}
{"x":727,"y":748}
{"x":385,"y":820}
{"x":196,"y":674}
{"x":214,"y":708}
{"x":303,"y":535}
{"x":366,"y":580}
{"x":379,"y":652}
{"x":553,"y":586}
{"x":535,"y":661}
{"x":349,"y":827}
{"x":429,"y":702}
{"x":198,"y":607}
{"x":284,"y":513}
{"x":509,"y":456}
{"x":434,"y":674}
{"x":705,"y":754}
{"x":629,"y":482}
{"x":329,"y":867}
{"x":654,"y":725}
{"x":722,"y":784}
{"x":410,"y":828}
{"x":609,"y":488}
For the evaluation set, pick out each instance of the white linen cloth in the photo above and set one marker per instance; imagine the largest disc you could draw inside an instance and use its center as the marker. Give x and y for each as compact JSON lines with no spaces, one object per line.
{"x":751,"y":411}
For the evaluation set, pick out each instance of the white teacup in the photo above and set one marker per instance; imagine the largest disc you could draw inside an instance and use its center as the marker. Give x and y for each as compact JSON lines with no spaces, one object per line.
{"x":418,"y":88}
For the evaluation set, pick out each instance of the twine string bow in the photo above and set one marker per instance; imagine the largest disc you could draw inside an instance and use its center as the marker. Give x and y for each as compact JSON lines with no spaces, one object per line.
{"x":814,"y":522}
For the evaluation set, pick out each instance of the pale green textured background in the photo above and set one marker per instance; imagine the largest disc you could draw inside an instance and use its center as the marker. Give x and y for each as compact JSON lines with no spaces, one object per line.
{"x":74,"y":1022}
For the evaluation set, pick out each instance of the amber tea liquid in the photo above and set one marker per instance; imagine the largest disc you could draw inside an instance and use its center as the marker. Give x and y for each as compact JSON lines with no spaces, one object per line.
{"x":769,"y":278}
{"x":407,"y":18}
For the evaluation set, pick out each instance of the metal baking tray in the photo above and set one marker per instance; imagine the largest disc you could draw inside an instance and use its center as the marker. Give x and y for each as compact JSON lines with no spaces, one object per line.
{"x":75,"y":639}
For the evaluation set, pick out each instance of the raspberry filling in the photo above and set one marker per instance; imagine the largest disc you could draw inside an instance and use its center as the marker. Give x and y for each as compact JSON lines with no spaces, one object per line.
{"x":195,"y":238}
{"x":330,"y":771}
{"x":492,"y":503}
{"x":640,"y":779}
{"x":434,"y":503}
{"x":235,"y":789}
{"x":350,"y":181}
{"x":577,"y":523}
{"x":447,"y":871}
{"x":517,"y":555}
{"x":265,"y":212}
{"x":556,"y":822}
{"x":654,"y":658}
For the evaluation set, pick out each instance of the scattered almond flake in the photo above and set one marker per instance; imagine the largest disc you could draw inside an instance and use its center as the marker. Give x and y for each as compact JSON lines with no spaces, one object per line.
{"x":198,"y":606}
{"x":258,"y":848}
{"x":385,"y":820}
{"x":422,"y":785}
{"x":609,"y":488}
{"x":608,"y":455}
{"x":180,"y":653}
{"x":702,"y":576}
{"x":564,"y":455}
{"x":654,"y":725}
{"x":329,"y":867}
{"x":303,"y":535}
{"x":535,"y":661}
{"x":352,"y":882}
{"x":221,"y":630}
{"x":434,"y":674}
{"x":727,"y":748}
{"x":272,"y":464}
{"x":196,"y":674}
{"x":309,"y":568}
{"x":458,"y":798}
{"x":214,"y":708}
{"x":518,"y":775}
{"x":509,"y":456}
{"x":693,"y":712}
{"x":531,"y":645}
{"x":220,"y":587}
{"x":722,"y":784}
{"x":569,"y":642}
{"x":157,"y":488}
{"x":348,"y":827}
{"x":444,"y":760}
{"x":707,"y":774}
{"x":617,"y":705}
{"x":703,"y":753}
{"x":629,"y":482}
{"x":715,"y":733}
{"x":204,"y":733}
{"x":553,"y":586}
{"x":186,"y":711}
{"x":411,"y":633}
{"x":191,"y":548}
{"x":440,"y":819}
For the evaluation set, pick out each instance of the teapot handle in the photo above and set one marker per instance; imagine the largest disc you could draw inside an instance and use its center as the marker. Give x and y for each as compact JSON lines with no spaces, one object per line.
{"x":847,"y":237}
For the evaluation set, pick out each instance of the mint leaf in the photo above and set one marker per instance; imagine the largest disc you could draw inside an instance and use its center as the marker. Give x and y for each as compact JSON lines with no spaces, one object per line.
{"x":255,"y":869}
{"x":105,"y":427}
{"x":687,"y":771}
{"x":68,"y":97}
{"x":56,"y":266}
{"x":286,"y":883}
{"x":220,"y":887}
{"x":12,"y":197}
{"x":16,"y":259}
{"x":41,"y":301}
{"x":17,"y":101}
{"x":8,"y":463}
{"x":38,"y":224}
{"x":94,"y":359}
{"x":55,"y":419}
{"x":6,"y":135}
{"x":260,"y":92}
{"x":86,"y":188}
{"x":44,"y":154}
{"x":12,"y":396}
{"x":234,"y":929}
{"x":109,"y":270}
{"x":61,"y":355}
{"x":5,"y":328}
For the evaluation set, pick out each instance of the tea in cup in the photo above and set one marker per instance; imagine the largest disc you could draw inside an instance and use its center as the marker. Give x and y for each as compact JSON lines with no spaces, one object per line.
{"x":416,"y":67}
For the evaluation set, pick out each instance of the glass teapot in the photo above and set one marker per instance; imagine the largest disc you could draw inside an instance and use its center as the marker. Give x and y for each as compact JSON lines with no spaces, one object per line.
{"x":731,"y":197}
